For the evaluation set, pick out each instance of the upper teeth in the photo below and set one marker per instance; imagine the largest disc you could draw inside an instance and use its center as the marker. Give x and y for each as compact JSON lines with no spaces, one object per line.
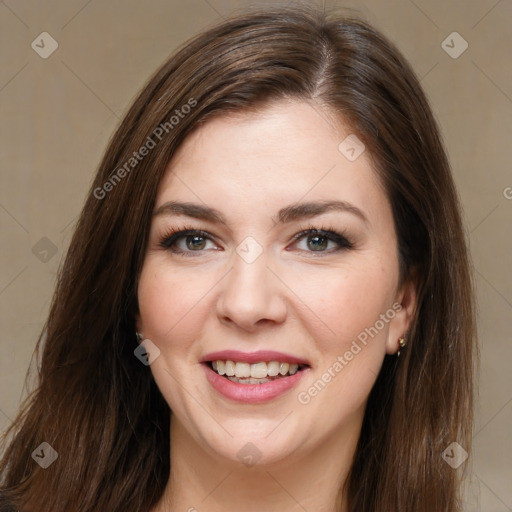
{"x":256,"y":370}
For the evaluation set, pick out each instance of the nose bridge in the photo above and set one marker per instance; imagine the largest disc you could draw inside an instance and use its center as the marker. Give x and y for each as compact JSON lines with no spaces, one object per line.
{"x":251,"y":292}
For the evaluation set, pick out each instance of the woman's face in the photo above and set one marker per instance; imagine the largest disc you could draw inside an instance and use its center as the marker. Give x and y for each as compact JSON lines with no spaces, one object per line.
{"x":242,"y":281}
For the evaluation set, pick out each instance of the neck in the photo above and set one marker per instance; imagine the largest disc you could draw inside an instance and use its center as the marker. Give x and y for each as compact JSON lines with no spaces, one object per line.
{"x":201,"y":480}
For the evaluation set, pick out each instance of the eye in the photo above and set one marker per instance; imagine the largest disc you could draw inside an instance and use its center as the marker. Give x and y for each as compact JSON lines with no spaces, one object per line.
{"x":319,"y":240}
{"x":186,"y":241}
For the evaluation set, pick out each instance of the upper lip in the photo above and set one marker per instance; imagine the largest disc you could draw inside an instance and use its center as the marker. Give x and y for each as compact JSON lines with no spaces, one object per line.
{"x":253,"y":357}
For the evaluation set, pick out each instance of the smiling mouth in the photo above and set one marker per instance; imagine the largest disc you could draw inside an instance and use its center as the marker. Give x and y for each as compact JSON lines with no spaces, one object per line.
{"x":256,"y":373}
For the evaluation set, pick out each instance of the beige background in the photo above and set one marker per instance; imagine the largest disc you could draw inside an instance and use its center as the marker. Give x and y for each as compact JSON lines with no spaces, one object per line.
{"x":58,"y":113}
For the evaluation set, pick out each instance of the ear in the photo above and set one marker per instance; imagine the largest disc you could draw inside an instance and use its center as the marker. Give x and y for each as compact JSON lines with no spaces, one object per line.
{"x":405,"y":307}
{"x":138,"y":323}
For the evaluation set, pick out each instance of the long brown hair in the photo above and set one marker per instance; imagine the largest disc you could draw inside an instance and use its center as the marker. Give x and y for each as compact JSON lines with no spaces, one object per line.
{"x":100,"y":408}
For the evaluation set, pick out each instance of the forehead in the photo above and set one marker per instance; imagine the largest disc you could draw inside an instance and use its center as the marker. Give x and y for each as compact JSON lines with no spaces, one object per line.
{"x":284,"y":153}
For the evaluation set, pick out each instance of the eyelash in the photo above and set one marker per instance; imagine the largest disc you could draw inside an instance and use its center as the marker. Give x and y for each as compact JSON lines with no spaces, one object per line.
{"x":171,"y":236}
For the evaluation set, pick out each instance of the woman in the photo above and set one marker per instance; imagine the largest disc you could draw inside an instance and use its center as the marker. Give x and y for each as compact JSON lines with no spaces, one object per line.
{"x":267,"y":301}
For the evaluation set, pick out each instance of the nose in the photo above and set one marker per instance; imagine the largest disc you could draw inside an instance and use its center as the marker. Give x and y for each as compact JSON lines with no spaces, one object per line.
{"x":251,"y":295}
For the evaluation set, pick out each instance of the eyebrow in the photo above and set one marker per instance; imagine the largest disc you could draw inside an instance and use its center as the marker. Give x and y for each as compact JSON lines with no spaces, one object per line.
{"x":285,"y":215}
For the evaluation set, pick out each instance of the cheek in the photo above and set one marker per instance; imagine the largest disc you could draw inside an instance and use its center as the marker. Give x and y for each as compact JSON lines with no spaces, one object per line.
{"x":351,"y":348}
{"x":349,"y":302}
{"x":170,"y":303}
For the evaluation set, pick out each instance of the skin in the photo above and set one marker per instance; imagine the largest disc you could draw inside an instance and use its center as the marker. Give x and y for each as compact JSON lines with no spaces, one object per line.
{"x":292,"y":298}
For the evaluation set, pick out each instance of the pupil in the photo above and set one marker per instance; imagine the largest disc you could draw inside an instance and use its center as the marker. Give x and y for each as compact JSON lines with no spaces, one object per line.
{"x":321,"y":245}
{"x":194,"y":244}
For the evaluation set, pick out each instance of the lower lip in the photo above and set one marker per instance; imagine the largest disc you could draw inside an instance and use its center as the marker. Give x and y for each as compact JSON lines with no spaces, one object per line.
{"x":252,"y":393}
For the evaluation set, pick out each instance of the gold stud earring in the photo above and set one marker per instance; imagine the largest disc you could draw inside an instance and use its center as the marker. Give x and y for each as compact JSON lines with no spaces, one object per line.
{"x":401,"y":343}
